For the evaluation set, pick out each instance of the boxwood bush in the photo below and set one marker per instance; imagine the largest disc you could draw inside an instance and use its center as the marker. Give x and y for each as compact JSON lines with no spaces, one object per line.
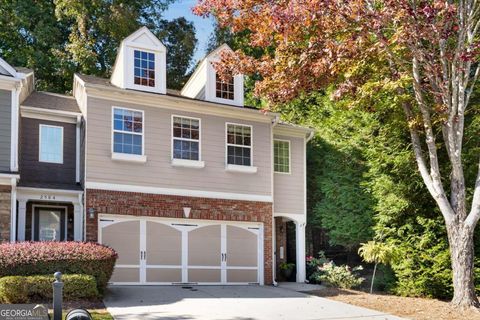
{"x":45,"y":258}
{"x":29,"y":289}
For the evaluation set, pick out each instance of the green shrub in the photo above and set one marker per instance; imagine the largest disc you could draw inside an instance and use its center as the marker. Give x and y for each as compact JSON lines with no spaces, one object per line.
{"x":287,"y":266}
{"x":313,"y":264}
{"x":38,"y":288}
{"x":338,"y":276}
{"x":46,"y":258}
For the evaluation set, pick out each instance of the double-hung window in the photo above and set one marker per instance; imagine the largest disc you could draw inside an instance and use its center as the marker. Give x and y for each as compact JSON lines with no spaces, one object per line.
{"x":239,"y":144}
{"x":281,"y":156}
{"x":144,"y":71}
{"x":127,"y":131}
{"x":51,"y":144}
{"x":186,"y":138}
{"x":224,"y":90}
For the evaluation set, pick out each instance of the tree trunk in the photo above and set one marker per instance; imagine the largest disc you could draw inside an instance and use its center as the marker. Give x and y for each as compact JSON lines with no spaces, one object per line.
{"x":462,"y":256}
{"x":373,"y":278}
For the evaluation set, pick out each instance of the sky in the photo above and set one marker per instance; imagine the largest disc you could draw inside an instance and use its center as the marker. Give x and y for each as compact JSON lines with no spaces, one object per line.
{"x":203,"y":26}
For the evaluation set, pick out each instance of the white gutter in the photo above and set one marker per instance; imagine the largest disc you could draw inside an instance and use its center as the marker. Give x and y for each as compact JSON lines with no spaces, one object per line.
{"x":310,"y":135}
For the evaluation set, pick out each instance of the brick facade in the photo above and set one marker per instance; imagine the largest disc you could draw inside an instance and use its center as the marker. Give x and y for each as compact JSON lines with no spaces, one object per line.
{"x":5,"y":211}
{"x":155,"y":205}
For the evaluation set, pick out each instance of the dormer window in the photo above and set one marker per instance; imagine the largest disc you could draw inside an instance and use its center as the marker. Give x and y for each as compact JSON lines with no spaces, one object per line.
{"x":144,"y":68}
{"x":206,"y":84}
{"x":141,"y":63}
{"x":224,"y":90}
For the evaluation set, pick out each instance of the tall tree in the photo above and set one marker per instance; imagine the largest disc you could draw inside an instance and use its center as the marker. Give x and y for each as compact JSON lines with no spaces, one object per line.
{"x":429,"y":47}
{"x":60,"y":37}
{"x":178,"y":36}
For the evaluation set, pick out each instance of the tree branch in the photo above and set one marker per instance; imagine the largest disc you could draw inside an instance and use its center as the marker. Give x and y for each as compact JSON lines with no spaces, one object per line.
{"x":437,"y":190}
{"x":474,"y":214}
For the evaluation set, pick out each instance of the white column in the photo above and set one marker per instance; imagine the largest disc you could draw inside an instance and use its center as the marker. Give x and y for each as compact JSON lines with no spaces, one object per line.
{"x":13,"y":211}
{"x":77,"y":222}
{"x":300,"y":250}
{"x":22,"y":209}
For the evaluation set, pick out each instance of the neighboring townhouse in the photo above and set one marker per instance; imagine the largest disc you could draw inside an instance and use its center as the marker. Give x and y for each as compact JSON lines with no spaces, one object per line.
{"x":15,"y":85}
{"x":190,"y":186}
{"x":49,"y":192}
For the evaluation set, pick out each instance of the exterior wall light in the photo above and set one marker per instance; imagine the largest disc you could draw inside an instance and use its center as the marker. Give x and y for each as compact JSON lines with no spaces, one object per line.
{"x":91,"y":213}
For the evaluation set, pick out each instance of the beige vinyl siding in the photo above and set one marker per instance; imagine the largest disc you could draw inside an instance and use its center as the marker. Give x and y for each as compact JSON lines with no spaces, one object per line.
{"x":289,"y":190}
{"x":158,"y":171}
{"x":5,"y":129}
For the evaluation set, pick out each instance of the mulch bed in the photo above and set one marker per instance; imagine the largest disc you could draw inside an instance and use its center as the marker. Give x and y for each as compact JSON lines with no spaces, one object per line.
{"x":412,"y":308}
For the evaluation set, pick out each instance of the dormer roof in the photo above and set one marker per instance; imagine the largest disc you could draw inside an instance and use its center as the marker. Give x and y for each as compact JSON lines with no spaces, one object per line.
{"x":202,"y":84}
{"x":141,"y":63}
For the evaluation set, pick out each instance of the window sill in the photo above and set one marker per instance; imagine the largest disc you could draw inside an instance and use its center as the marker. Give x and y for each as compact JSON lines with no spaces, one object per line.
{"x":188,"y":163}
{"x":242,"y":169}
{"x":129,"y":157}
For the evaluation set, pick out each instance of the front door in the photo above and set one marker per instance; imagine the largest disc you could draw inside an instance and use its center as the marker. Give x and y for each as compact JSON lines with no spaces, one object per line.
{"x":49,"y":224}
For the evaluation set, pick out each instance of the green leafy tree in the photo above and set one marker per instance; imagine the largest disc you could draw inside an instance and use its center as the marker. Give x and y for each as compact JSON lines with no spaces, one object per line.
{"x":178,"y":36}
{"x":377,"y":252}
{"x":60,"y":37}
{"x":338,"y":198}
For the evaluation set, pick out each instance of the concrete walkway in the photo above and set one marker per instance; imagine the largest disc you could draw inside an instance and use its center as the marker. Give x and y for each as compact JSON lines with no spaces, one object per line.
{"x":228,"y":303}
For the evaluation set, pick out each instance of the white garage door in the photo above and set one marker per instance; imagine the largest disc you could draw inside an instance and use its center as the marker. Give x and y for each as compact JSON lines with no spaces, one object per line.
{"x":168,"y":251}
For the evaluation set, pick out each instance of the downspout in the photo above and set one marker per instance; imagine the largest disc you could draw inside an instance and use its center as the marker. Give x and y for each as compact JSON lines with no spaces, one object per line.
{"x":275,"y":121}
{"x":310,"y":136}
{"x":14,"y":138}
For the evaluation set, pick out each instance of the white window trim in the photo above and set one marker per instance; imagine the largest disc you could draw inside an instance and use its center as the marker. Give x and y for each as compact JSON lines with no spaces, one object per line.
{"x":289,"y":156}
{"x":210,"y":88}
{"x":241,"y":169}
{"x":140,"y":86}
{"x":126,"y":156}
{"x":159,"y":78}
{"x":187,"y":162}
{"x":40,"y":143}
{"x":223,"y":83}
{"x":234,"y":167}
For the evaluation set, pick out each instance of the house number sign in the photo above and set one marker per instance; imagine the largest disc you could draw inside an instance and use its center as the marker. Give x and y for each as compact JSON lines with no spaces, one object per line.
{"x":47,"y":197}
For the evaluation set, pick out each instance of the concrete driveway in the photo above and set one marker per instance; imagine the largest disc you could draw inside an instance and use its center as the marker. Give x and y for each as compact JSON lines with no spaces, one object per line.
{"x":228,"y":303}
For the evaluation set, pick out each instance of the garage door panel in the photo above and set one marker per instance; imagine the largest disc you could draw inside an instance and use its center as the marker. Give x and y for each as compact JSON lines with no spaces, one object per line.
{"x":125,"y":275}
{"x":164,"y":275}
{"x":250,"y":276}
{"x":204,"y":275}
{"x":158,"y":251}
{"x":204,"y":246}
{"x":163,"y":244}
{"x":124,"y":238}
{"x":242,"y":247}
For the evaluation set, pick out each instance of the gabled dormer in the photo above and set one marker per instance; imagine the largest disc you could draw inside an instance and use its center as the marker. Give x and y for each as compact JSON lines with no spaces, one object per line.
{"x":205,"y":84}
{"x":141,"y":63}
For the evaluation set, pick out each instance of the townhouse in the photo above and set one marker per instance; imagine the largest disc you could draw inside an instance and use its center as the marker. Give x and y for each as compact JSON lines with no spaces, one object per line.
{"x":188,"y":186}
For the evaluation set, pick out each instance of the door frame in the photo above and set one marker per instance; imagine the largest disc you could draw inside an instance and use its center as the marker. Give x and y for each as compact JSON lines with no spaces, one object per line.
{"x":39,"y":207}
{"x":183,"y":224}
